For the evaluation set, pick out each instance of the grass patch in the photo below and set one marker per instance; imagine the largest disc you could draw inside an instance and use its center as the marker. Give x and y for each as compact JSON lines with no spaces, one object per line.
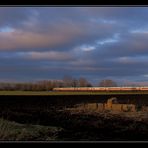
{"x":50,"y":93}
{"x":12,"y":131}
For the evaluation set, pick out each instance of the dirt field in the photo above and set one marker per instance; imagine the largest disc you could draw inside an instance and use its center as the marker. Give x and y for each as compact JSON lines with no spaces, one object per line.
{"x":78,"y":125}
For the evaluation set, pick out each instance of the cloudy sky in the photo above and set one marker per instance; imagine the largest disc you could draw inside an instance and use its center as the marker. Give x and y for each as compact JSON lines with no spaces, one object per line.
{"x":38,"y":43}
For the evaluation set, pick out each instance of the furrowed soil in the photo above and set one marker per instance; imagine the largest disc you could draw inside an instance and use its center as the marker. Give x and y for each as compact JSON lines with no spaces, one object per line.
{"x":77,"y":125}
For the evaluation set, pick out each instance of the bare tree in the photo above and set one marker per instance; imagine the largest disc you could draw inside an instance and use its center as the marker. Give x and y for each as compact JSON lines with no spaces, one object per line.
{"x":75,"y":82}
{"x":107,"y":83}
{"x":83,"y":82}
{"x":68,"y":81}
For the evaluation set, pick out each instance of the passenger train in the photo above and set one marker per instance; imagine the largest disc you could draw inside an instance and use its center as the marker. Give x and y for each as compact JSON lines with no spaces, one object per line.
{"x":101,"y":89}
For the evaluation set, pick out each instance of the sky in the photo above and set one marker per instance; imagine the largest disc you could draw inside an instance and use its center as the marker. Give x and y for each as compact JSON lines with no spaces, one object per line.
{"x":48,"y":43}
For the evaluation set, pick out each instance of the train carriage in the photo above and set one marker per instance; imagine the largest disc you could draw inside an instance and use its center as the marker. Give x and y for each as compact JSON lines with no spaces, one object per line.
{"x":96,"y":89}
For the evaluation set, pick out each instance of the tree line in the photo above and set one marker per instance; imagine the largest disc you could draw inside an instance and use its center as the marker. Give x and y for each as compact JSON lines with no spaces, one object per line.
{"x":47,"y":85}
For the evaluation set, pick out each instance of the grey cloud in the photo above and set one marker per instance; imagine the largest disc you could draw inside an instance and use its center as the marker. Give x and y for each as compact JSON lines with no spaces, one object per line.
{"x":51,"y":42}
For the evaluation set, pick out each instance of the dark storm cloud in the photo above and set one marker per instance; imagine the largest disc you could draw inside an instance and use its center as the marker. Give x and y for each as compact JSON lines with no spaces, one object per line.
{"x":94,"y":42}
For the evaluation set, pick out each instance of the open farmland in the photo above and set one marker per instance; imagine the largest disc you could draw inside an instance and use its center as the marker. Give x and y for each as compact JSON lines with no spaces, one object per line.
{"x":47,"y":110}
{"x":46,"y":93}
